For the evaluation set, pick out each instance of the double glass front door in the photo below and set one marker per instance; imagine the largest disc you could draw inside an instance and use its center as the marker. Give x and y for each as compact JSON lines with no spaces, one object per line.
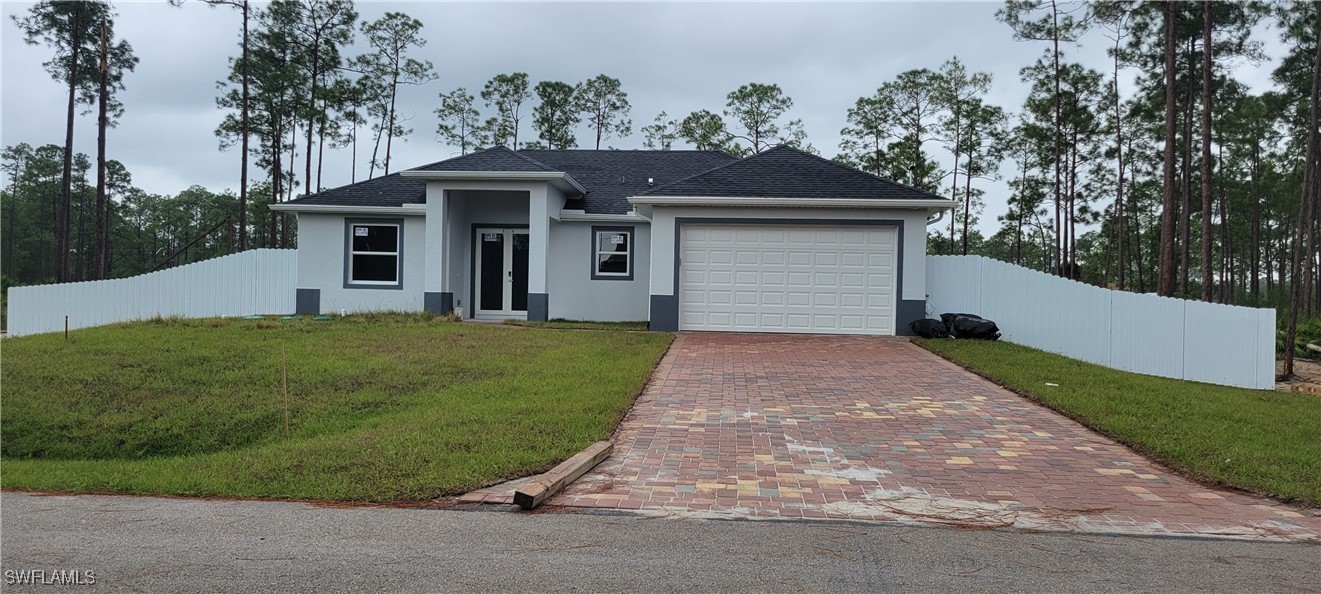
{"x":501,"y":267}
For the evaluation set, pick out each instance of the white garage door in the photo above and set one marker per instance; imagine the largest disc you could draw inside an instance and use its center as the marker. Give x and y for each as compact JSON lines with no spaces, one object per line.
{"x":791,"y":278}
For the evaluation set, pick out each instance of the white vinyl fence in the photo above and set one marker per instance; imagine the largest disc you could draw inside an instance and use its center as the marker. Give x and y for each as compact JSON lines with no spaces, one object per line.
{"x":1192,"y":340}
{"x":246,"y":283}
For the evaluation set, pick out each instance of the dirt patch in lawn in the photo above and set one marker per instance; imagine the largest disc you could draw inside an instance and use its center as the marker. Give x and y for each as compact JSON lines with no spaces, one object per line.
{"x":1306,"y":379}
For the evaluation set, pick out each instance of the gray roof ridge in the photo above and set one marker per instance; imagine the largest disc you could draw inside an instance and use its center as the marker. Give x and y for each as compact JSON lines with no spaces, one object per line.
{"x":786,"y":147}
{"x":701,"y":173}
{"x":452,"y":158}
{"x":852,"y":170}
{"x":530,"y":159}
{"x":629,"y":150}
{"x":487,"y":150}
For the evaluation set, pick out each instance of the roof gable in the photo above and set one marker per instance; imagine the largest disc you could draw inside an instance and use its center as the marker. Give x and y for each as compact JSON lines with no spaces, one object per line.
{"x":786,"y":172}
{"x":493,"y":159}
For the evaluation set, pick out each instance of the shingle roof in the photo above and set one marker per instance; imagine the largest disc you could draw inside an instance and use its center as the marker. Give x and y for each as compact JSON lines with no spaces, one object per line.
{"x":389,"y":190}
{"x":611,"y":176}
{"x":492,"y":159}
{"x":785,"y":172}
{"x":395,"y":190}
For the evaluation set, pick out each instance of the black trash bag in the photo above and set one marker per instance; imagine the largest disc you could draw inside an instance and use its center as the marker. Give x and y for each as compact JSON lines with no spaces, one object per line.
{"x":970,"y":326}
{"x":948,"y":319}
{"x":976,"y":328}
{"x":929,"y":328}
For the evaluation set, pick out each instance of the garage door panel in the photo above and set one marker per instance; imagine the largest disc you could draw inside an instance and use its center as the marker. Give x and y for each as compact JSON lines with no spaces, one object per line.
{"x":720,"y":256}
{"x":824,"y":321}
{"x":800,"y":279}
{"x":788,"y":278}
{"x":878,"y":280}
{"x":719,"y":235}
{"x":854,"y":238}
{"x":853,"y":259}
{"x":875,"y":260}
{"x":747,"y":319}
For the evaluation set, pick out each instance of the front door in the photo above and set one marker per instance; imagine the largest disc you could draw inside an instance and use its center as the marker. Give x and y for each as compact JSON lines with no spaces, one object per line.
{"x":501,"y":272}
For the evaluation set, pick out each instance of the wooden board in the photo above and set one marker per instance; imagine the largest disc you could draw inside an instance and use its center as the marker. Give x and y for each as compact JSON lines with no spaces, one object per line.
{"x":543,"y":487}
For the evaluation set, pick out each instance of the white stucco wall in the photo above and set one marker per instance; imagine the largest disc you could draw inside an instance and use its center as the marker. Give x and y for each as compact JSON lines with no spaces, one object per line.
{"x":573,"y":293}
{"x":914,"y":234}
{"x":321,"y":245}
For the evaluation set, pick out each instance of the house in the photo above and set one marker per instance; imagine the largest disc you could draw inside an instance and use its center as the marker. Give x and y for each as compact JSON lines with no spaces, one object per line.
{"x":782,"y":241}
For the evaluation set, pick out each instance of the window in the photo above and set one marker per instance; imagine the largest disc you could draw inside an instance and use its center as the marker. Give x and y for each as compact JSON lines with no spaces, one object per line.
{"x":612,"y":253}
{"x":373,"y":254}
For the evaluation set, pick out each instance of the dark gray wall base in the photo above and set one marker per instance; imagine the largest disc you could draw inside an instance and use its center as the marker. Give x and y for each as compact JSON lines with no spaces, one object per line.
{"x":538,"y":307}
{"x":664,"y":313}
{"x":909,"y":311}
{"x":438,"y":303}
{"x":307,"y":302}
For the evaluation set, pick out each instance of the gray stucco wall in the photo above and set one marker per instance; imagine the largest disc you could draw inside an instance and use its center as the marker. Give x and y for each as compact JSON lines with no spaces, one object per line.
{"x":321,"y":242}
{"x":573,"y":293}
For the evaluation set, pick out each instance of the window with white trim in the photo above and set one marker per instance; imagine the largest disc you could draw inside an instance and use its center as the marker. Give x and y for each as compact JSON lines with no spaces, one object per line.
{"x":612,"y":253}
{"x":373,"y":254}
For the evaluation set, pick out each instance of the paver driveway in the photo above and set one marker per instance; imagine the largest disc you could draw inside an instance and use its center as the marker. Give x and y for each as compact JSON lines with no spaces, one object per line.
{"x":878,"y":428}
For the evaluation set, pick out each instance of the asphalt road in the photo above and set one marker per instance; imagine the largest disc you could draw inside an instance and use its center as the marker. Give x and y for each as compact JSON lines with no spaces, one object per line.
{"x":186,"y":545}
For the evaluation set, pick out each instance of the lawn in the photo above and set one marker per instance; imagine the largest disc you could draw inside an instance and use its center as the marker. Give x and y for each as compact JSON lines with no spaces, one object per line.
{"x":562,"y":324}
{"x":1260,"y":441}
{"x":381,"y":407}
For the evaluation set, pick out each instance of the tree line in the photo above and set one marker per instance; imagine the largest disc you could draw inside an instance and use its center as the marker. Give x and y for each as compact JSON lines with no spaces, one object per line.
{"x":1157,"y":172}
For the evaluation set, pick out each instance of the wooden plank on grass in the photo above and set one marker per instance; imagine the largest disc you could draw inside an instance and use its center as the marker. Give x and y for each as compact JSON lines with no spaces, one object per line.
{"x":541,"y":488}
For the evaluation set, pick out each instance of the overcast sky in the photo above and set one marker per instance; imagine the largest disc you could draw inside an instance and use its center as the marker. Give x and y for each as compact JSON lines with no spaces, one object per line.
{"x":672,"y":57}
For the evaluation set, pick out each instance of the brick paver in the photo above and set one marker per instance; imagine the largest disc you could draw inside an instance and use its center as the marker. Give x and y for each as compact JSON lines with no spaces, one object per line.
{"x":779,"y":426}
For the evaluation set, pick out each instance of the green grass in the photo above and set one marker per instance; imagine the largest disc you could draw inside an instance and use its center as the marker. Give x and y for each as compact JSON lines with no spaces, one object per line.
{"x":382,"y":407}
{"x":1260,"y":441}
{"x":562,"y":324}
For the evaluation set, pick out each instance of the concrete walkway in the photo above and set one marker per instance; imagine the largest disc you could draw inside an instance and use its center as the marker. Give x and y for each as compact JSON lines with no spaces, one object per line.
{"x":780,"y":426}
